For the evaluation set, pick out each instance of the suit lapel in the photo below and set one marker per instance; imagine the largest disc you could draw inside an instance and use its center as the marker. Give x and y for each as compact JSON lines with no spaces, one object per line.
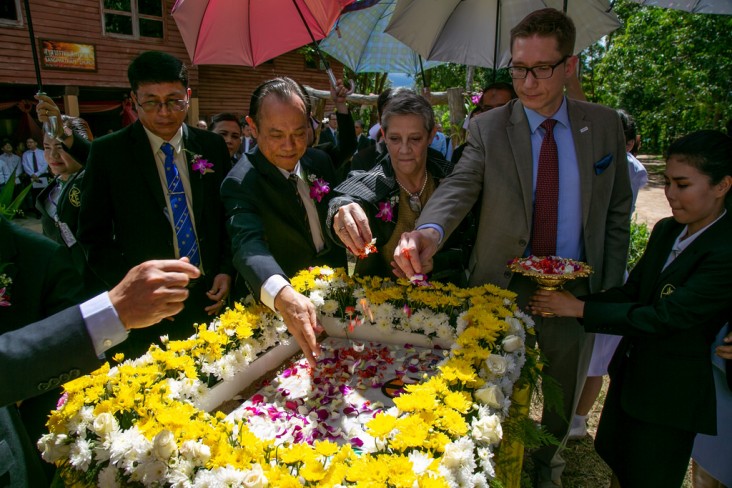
{"x":582,"y":135}
{"x":190,"y":142}
{"x":144,"y":161}
{"x":519,"y":136}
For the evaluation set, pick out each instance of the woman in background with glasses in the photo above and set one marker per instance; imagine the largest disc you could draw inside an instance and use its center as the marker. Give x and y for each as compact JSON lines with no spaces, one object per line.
{"x":385,"y":201}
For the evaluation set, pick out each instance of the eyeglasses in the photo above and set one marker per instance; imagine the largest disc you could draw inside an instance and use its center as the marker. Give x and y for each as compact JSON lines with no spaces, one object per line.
{"x":540,"y":72}
{"x":171,"y":105}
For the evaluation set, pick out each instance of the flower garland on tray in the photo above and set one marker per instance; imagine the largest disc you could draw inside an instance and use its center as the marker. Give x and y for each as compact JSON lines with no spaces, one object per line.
{"x":138,"y":423}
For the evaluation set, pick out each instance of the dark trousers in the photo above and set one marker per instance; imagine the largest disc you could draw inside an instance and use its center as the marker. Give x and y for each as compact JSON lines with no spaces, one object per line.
{"x":641,"y":454}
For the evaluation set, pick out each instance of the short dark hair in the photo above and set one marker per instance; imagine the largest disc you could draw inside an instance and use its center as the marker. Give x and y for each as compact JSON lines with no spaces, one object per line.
{"x":223,"y":117}
{"x":156,"y":67}
{"x":499,"y":85}
{"x":709,"y":151}
{"x":548,"y":22}
{"x":283,"y":88}
{"x":407,"y":102}
{"x":629,"y":127}
{"x":382,"y":99}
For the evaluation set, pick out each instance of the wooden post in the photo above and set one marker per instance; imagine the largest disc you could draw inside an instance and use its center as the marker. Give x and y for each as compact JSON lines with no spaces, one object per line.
{"x":456,"y":106}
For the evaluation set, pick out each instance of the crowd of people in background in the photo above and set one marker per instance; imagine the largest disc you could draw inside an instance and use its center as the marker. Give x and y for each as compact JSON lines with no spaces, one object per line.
{"x":179,"y":221}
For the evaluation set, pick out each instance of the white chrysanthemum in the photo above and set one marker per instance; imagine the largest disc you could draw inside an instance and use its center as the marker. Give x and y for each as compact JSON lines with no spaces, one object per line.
{"x":420,"y":461}
{"x":329,"y":308}
{"x":151,"y":473}
{"x":80,"y":455}
{"x":223,"y":477}
{"x":485,"y":460}
{"x":459,"y":454}
{"x":129,"y":445}
{"x":461,"y":323}
{"x":478,"y":480}
{"x":317,"y":298}
{"x":108,"y":478}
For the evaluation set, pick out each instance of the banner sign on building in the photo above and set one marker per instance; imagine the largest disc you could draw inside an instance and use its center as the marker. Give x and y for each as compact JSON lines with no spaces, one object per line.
{"x":68,"y":55}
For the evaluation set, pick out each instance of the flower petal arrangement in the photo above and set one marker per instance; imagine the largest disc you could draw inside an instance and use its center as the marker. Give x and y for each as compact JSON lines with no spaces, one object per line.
{"x":140,"y":422}
{"x":549,"y":265}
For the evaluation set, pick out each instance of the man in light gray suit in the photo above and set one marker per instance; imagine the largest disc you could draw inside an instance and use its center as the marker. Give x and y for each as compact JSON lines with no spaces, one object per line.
{"x":577,"y":206}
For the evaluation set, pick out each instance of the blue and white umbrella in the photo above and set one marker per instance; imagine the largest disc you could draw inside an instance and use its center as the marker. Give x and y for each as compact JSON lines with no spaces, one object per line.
{"x":359,"y":42}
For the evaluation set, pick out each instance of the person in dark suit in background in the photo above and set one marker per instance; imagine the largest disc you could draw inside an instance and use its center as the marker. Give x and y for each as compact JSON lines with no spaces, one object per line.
{"x":362,"y":140}
{"x":227,"y":126}
{"x":46,"y":339}
{"x":674,"y":303}
{"x":276,"y":199}
{"x":151,"y":191}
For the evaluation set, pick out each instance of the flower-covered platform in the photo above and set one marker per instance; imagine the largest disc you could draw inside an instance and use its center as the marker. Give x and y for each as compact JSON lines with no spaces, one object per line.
{"x":413,"y":389}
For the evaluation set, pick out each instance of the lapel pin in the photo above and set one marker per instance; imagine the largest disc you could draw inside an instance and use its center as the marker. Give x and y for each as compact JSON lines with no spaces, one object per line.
{"x":584,"y":129}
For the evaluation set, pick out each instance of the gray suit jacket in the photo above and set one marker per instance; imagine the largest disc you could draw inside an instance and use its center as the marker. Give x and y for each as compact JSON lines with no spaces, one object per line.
{"x":496,"y":167}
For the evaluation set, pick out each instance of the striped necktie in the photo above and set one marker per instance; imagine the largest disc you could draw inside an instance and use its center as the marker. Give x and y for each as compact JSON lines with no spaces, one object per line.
{"x":187,"y":245}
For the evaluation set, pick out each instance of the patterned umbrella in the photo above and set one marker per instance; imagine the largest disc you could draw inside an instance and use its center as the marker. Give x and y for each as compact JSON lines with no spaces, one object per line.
{"x":359,"y":42}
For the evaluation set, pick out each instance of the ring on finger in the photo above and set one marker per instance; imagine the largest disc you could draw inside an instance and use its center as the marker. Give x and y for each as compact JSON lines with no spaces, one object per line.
{"x":341,"y":228}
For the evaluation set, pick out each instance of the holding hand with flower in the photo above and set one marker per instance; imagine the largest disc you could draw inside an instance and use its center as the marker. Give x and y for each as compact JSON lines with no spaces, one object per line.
{"x":385,"y":201}
{"x":669,"y":311}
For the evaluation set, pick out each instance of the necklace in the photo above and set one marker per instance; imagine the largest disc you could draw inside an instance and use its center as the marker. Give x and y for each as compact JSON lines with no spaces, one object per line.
{"x":414,"y":198}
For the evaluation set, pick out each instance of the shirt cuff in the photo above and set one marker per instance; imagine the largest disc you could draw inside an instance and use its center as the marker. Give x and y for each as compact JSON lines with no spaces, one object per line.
{"x":105,"y":328}
{"x":438,"y":228}
{"x":271,"y":288}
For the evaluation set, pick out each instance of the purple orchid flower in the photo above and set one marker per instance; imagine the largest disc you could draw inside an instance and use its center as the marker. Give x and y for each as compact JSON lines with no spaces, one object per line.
{"x":386,"y":211}
{"x":201,"y":165}
{"x":319,"y":189}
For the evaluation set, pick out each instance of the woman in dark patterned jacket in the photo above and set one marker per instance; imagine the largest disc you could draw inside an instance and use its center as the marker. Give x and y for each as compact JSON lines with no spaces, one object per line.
{"x":385,"y":201}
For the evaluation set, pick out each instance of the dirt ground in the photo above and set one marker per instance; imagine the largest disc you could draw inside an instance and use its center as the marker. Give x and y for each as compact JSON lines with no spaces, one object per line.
{"x":651,"y":205}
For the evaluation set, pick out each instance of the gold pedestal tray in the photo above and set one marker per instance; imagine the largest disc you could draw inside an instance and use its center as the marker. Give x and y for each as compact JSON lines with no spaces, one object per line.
{"x":552,"y":281}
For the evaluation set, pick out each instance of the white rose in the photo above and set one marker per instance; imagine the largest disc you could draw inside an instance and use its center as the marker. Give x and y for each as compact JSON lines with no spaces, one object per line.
{"x":496,"y":364}
{"x":512,"y":343}
{"x":490,"y":395}
{"x":195,"y":451}
{"x":54,"y":447}
{"x":104,"y":424}
{"x":164,"y":445}
{"x":255,"y":478}
{"x":487,"y":429}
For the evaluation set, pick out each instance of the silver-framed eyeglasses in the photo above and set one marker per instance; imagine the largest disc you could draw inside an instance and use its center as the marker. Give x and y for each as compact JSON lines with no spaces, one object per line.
{"x":155,"y":106}
{"x":541,"y":72}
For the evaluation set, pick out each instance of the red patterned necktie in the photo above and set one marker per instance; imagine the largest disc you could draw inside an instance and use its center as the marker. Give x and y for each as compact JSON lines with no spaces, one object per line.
{"x":546,"y":200}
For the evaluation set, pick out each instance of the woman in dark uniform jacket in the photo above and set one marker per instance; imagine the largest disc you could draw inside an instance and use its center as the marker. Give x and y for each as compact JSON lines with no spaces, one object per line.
{"x":674,"y":303}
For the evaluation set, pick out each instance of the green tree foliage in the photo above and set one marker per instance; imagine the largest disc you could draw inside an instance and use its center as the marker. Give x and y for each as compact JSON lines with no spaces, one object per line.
{"x":670,"y":69}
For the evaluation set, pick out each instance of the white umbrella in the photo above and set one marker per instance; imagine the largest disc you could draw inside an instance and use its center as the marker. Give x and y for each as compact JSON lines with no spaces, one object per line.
{"x":465,"y":31}
{"x":694,"y":6}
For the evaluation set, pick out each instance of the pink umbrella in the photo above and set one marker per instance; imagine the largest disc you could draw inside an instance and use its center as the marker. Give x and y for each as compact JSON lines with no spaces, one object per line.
{"x":250,"y":32}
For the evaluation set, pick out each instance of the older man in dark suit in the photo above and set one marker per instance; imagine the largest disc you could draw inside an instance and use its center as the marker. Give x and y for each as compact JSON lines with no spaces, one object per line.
{"x":276,"y":198}
{"x":151,"y":191}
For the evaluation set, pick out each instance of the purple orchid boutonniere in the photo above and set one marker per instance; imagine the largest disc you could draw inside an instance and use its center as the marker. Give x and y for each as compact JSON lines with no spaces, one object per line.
{"x":5,"y":283}
{"x":386,"y":209}
{"x":318,"y":188}
{"x":199,"y":164}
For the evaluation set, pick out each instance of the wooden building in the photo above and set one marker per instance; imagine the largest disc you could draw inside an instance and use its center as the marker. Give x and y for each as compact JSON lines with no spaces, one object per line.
{"x":85,"y":47}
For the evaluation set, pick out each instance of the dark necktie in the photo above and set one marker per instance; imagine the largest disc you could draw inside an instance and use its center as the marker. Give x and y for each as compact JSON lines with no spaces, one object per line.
{"x":303,"y":212}
{"x":546,"y":200}
{"x":35,"y":163}
{"x":187,"y":245}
